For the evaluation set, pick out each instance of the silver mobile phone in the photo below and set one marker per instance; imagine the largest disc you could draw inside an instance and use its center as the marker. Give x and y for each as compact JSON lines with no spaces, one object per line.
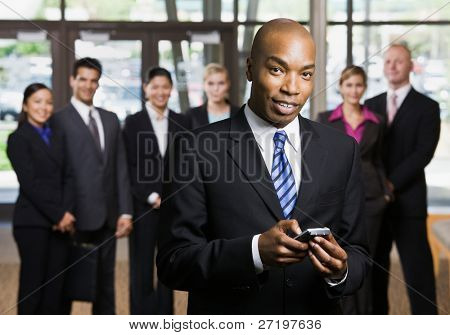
{"x":310,"y":233}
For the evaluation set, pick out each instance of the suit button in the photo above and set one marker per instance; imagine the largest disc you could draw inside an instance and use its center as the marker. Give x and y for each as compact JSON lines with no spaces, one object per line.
{"x":290,"y":282}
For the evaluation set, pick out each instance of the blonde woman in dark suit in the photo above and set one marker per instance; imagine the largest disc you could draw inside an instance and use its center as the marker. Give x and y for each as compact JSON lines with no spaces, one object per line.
{"x":216,"y":84}
{"x":367,"y":129}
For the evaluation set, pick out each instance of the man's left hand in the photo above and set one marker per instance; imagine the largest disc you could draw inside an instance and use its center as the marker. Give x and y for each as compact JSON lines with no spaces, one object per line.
{"x":327,"y":257}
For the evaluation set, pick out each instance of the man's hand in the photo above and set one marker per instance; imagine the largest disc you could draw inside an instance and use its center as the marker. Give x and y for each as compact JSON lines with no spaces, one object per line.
{"x":328,"y":257}
{"x":276,"y":248}
{"x":124,"y":227}
{"x":66,"y":224}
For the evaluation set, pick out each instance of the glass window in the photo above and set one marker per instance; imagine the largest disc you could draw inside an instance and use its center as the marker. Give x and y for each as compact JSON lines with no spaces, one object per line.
{"x":188,"y":76}
{"x":143,"y":10}
{"x":227,"y":11}
{"x":337,"y":10}
{"x":336,"y":62}
{"x":15,"y":56}
{"x":381,"y":10}
{"x":120,"y":84}
{"x":30,"y":10}
{"x":430,"y":47}
{"x":265,"y":10}
{"x":124,"y":10}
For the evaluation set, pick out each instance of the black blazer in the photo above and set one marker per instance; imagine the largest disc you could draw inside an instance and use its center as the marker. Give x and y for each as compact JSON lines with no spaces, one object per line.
{"x":223,"y":195}
{"x":145,"y":163}
{"x":46,"y":182}
{"x":198,"y":116}
{"x":370,"y":147}
{"x":409,"y":146}
{"x":102,"y":189}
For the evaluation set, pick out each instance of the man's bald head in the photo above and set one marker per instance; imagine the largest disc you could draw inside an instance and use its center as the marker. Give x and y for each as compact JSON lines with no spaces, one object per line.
{"x":275,"y":29}
{"x":281,"y":68}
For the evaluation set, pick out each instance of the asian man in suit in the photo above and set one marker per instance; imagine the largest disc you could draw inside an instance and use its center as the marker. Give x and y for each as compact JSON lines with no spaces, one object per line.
{"x":241,"y":187}
{"x":413,"y":126}
{"x":94,"y":145}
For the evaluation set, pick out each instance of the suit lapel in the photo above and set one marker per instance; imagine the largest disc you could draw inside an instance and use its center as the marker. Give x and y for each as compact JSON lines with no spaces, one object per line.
{"x":338,"y":124}
{"x":406,"y":105}
{"x":148,"y":127}
{"x":171,"y":128}
{"x":247,"y":156}
{"x":85,"y":134}
{"x":369,"y":136}
{"x":37,"y":141}
{"x":313,"y":161}
{"x":203,"y":115}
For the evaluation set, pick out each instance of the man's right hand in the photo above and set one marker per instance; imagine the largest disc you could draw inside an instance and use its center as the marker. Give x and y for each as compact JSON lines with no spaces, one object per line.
{"x":276,"y":248}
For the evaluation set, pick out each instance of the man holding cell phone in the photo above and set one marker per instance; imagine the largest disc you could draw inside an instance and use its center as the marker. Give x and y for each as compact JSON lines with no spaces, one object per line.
{"x":243,"y":188}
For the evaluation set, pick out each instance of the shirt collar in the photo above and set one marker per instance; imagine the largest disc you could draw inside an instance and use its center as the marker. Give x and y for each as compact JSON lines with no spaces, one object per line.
{"x":82,"y":108}
{"x":154,"y":115}
{"x":79,"y":105}
{"x":264,"y":131}
{"x":338,"y":114}
{"x":400,"y":93}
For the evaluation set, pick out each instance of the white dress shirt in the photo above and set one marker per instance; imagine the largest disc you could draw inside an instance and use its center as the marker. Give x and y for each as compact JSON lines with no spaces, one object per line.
{"x":400,"y":94}
{"x":83,"y":110}
{"x":264,"y":133}
{"x":160,"y":124}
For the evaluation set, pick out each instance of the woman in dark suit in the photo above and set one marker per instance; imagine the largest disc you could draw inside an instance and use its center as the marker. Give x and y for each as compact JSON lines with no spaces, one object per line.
{"x":42,"y":217}
{"x":147,"y":136}
{"x":367,"y":128}
{"x":216,"y":85}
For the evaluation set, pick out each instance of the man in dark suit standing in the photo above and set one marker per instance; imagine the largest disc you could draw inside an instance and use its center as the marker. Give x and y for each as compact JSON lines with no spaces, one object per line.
{"x":102,"y":193}
{"x":411,"y":139}
{"x":241,"y":186}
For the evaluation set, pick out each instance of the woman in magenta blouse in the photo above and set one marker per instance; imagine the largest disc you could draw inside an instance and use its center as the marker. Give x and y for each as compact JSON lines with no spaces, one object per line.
{"x":367,"y":129}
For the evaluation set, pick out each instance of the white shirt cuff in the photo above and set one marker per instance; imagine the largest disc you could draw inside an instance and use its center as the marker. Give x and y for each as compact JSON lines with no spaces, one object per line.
{"x":335,"y":282}
{"x":259,"y":267}
{"x":126,"y":216}
{"x":152,"y":198}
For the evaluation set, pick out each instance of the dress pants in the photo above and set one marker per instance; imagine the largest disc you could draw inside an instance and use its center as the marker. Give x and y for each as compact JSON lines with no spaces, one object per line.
{"x":362,"y":301}
{"x":144,"y":297}
{"x":43,"y":259}
{"x":410,"y":236}
{"x":104,"y":237}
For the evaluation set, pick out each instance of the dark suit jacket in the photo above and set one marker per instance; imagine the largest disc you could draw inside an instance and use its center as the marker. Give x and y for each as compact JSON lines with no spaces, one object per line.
{"x":198,"y":116}
{"x":370,"y":148}
{"x":410,"y":143}
{"x":145,"y":163}
{"x":223,"y":195}
{"x":102,"y":189}
{"x":46,"y":183}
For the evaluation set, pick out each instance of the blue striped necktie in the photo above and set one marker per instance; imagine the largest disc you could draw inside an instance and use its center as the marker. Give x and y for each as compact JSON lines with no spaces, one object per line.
{"x":283,"y":176}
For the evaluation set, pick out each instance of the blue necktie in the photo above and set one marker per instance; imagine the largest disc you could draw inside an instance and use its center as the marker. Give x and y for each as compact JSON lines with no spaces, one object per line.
{"x":283,"y":176}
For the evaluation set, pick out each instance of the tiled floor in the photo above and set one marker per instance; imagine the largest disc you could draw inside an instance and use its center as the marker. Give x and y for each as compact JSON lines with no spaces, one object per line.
{"x":9,"y":278}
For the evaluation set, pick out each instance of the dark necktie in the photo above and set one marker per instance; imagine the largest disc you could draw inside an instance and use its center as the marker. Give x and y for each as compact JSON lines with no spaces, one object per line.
{"x":283,"y":176}
{"x":93,"y":128}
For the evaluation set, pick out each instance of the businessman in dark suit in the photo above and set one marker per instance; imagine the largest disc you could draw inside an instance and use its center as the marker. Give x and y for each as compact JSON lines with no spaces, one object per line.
{"x":148,"y":135}
{"x":95,"y":148}
{"x":241,"y":186}
{"x":411,"y":139}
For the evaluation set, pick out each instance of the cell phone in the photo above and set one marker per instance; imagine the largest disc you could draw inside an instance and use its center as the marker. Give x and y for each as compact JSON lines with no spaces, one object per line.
{"x":310,"y":233}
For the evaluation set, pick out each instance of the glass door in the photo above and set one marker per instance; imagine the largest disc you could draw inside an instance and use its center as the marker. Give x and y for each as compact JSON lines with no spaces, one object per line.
{"x":185,"y":54}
